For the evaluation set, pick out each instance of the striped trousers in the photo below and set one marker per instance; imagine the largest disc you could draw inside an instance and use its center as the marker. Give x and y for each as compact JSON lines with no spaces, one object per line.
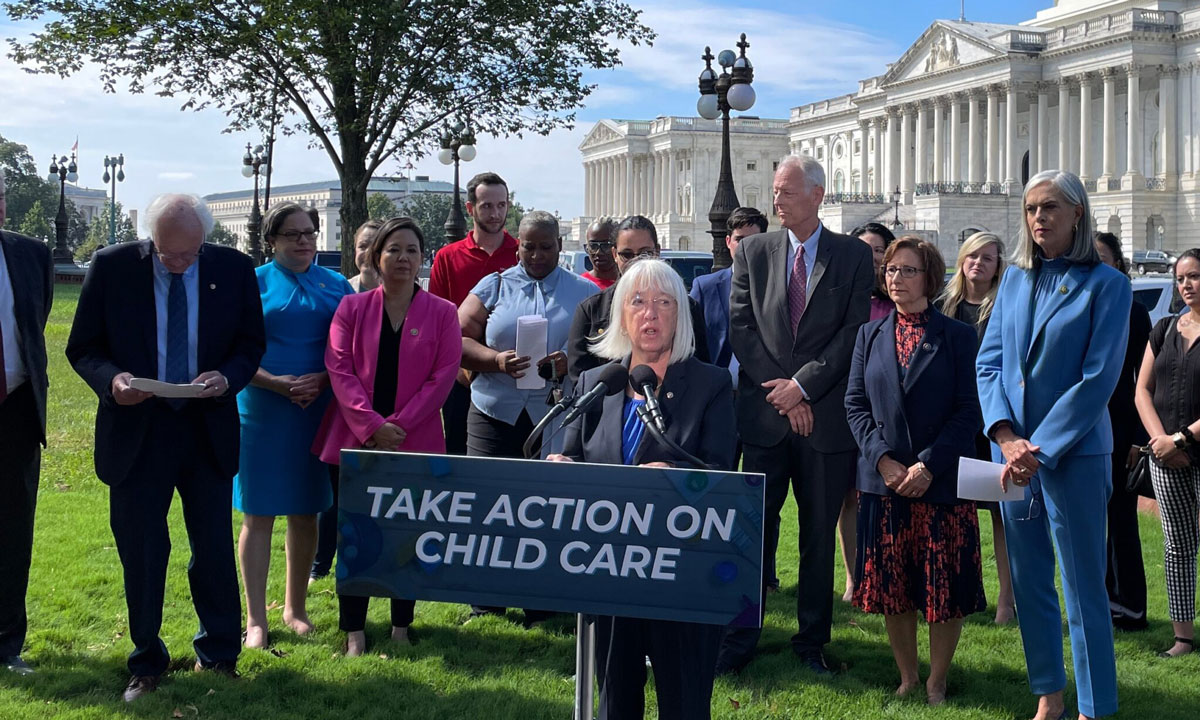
{"x":1178,"y":493}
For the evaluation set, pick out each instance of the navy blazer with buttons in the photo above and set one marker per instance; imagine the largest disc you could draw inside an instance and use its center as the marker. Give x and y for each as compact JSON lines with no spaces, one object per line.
{"x":928,"y":414}
{"x":712,"y":292}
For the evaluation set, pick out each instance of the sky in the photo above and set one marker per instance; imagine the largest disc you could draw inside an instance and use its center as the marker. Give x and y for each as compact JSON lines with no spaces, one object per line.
{"x":802,"y":52}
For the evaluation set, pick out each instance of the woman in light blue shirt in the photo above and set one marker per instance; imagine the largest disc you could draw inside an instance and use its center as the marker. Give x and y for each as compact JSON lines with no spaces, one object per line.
{"x":501,"y":415}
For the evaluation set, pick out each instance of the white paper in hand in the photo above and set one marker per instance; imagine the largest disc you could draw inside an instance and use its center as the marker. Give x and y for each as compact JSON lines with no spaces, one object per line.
{"x":531,"y":343}
{"x":166,"y":390}
{"x":980,"y":480}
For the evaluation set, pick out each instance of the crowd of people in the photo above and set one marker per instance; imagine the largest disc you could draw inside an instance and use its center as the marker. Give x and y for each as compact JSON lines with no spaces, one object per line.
{"x":855,"y":374}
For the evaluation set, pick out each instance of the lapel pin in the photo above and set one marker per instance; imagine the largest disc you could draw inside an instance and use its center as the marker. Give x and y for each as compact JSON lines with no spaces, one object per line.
{"x":670,"y":395}
{"x":1063,"y":290}
{"x":413,"y":331}
{"x":212,"y":286}
{"x":926,"y":346}
{"x":321,"y":284}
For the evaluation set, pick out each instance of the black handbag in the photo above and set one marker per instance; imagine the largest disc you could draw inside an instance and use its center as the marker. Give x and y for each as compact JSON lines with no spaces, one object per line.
{"x":1138,"y":482}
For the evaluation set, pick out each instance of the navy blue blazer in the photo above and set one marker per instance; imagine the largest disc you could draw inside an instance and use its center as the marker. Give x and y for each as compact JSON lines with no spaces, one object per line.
{"x":1049,"y":371}
{"x":931,"y":415}
{"x":712,"y":292}
{"x":697,"y":405}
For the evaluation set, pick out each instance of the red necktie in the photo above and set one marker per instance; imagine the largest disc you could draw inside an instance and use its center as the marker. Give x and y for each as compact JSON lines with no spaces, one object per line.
{"x":797,"y":289}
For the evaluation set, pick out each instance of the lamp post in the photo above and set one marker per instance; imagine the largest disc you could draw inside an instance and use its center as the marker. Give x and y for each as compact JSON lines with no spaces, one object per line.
{"x":730,"y":90}
{"x":114,"y":172}
{"x":252,"y":163}
{"x":896,"y":195}
{"x":458,"y":143}
{"x":64,"y":172}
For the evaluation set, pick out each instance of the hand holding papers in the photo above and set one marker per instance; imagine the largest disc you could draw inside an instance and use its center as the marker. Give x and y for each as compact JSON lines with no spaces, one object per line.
{"x":167,"y":390}
{"x":980,"y":480}
{"x":531,"y":343}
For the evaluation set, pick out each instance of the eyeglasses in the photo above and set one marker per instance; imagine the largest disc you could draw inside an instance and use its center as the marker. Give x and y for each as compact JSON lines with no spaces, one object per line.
{"x":906,"y":271}
{"x":598,"y":247}
{"x":661,"y":304}
{"x":178,"y":257}
{"x":631,"y":255}
{"x":296,"y":235}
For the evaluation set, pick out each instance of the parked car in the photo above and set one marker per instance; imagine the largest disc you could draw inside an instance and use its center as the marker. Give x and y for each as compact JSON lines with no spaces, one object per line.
{"x":1146,"y":261}
{"x":577,"y":261}
{"x":1158,"y":295}
{"x":331,"y":259}
{"x":689,"y":264}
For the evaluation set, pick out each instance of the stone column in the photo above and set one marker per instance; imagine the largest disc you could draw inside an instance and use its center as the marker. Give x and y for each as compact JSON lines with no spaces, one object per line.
{"x":893,"y":151}
{"x":1134,"y":166}
{"x":1011,"y":151}
{"x":1034,"y":129}
{"x":627,"y":185}
{"x":1064,"y":123}
{"x":1167,"y":122}
{"x":922,"y":144}
{"x":993,"y":135}
{"x":906,"y":162}
{"x":672,"y":182}
{"x":1085,"y":127}
{"x":1108,"y":168}
{"x":651,"y":188}
{"x":876,"y":156}
{"x":973,"y":154}
{"x":955,"y":173}
{"x":939,"y":141}
{"x":1043,"y":130}
{"x":863,"y":156}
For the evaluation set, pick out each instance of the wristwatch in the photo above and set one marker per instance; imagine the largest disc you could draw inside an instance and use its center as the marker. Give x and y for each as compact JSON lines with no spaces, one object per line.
{"x":1180,"y":440}
{"x":1188,"y":437}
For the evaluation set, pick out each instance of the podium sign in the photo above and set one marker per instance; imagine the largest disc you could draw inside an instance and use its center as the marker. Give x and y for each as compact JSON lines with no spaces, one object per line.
{"x":660,"y":543}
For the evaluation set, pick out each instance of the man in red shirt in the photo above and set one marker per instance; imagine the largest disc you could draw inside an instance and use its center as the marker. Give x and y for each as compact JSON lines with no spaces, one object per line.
{"x":457,"y":267}
{"x":599,"y":248}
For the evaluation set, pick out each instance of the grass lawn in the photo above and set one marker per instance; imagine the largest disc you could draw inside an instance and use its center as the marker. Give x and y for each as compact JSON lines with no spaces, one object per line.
{"x":489,"y":669}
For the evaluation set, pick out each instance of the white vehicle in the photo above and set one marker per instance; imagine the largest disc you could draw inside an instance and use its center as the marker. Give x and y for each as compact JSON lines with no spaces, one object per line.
{"x":1158,"y":295}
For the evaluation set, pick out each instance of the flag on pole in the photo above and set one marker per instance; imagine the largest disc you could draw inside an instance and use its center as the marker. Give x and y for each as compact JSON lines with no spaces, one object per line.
{"x":76,"y":145}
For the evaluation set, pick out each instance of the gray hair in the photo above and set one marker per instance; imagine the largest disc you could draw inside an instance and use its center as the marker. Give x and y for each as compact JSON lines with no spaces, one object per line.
{"x":814,"y":174}
{"x":170,"y":203}
{"x":1082,"y":250}
{"x":538,"y":220}
{"x":646,"y":274}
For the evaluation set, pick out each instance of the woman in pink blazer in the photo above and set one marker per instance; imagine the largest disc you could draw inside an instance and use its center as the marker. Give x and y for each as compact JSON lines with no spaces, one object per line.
{"x":392,"y":357}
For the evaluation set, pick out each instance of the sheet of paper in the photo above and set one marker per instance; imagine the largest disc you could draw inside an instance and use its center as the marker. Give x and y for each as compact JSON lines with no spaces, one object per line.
{"x":980,"y":480}
{"x":531,"y":343}
{"x":166,"y":390}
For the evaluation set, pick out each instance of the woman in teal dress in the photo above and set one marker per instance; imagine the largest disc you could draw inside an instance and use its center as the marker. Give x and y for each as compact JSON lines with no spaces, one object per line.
{"x":280,"y":411}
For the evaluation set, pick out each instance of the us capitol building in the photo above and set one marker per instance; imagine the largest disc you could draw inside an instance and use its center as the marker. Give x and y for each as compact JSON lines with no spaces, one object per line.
{"x":1109,"y":89}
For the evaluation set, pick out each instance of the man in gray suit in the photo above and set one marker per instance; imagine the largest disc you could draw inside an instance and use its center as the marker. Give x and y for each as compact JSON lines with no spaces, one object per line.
{"x":798,"y":297}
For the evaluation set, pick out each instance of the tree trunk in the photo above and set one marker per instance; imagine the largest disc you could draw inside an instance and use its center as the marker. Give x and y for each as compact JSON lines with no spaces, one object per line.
{"x":354,"y":207}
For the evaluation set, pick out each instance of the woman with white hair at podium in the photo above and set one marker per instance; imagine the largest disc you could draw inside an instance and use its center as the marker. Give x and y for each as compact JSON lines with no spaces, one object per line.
{"x":696,"y":401}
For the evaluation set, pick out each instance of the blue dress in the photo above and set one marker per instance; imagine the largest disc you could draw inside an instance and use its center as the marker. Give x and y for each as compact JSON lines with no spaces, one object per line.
{"x":278,"y":473}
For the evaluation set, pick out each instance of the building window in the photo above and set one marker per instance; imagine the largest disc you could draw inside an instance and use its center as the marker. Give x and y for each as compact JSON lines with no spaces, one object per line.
{"x":857,"y":147}
{"x":838,"y":150}
{"x":687,"y":164}
{"x":820,"y":153}
{"x":751,"y":166}
{"x":774,"y":166}
{"x":752,"y":199}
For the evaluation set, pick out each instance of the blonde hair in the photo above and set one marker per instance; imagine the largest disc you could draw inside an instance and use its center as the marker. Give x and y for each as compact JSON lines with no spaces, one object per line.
{"x":956,"y":289}
{"x":646,"y":274}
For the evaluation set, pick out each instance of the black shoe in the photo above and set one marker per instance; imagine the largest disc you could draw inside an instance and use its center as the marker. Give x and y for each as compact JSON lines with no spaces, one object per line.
{"x":1128,"y":623}
{"x":14,"y":664}
{"x":139,"y":685}
{"x":814,"y":660}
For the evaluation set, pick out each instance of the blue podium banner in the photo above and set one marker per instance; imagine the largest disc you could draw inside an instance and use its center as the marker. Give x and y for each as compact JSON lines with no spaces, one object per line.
{"x":659,"y":543}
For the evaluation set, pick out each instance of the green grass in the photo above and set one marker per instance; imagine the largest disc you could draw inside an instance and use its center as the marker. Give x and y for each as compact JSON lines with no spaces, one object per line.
{"x":488,"y":669}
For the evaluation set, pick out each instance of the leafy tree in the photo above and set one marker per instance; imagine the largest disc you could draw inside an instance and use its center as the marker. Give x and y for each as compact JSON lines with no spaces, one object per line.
{"x":77,"y":227}
{"x":365,"y":79}
{"x":35,"y":224}
{"x":24,"y":184}
{"x":221,"y":235}
{"x":430,"y":210}
{"x":97,"y":233}
{"x":512,"y":221}
{"x":380,"y":207}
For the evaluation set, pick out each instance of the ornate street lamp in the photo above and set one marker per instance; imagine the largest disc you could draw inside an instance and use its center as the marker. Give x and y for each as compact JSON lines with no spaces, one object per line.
{"x":458,"y":143}
{"x":64,"y":172}
{"x":730,"y":90}
{"x":117,"y":174}
{"x":252,"y":164}
{"x":896,"y":195}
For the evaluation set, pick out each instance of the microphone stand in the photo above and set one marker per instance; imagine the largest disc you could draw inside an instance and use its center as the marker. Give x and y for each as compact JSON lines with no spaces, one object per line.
{"x":647,"y":419}
{"x":559,"y":408}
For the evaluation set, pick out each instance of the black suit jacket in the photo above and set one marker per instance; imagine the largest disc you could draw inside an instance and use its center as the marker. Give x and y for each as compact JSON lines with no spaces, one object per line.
{"x":697,"y":405}
{"x":116,"y":330}
{"x":592,"y":318}
{"x":31,"y":272}
{"x":931,"y":414}
{"x":839,"y":301}
{"x":1127,"y":426}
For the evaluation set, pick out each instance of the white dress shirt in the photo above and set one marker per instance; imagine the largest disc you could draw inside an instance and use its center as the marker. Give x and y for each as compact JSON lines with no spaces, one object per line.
{"x":14,"y":368}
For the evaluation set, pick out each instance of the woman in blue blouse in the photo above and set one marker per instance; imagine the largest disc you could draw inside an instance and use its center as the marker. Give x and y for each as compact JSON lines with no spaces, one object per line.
{"x":280,"y":411}
{"x":1049,"y":362}
{"x":502,"y":415}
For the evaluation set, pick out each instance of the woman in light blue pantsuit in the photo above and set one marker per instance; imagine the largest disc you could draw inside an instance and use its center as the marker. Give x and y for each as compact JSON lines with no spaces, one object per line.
{"x":1049,"y":361}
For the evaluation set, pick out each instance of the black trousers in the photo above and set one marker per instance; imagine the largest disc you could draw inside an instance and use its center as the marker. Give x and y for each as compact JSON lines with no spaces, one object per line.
{"x":327,"y":532}
{"x":1126,"y":575}
{"x":352,"y":612}
{"x":683,"y":656}
{"x":176,"y":456}
{"x":454,"y":419}
{"x":820,"y":482}
{"x":489,"y":437}
{"x":20,"y":464}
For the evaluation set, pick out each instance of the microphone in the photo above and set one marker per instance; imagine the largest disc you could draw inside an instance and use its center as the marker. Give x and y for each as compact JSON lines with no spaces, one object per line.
{"x":645,"y":380}
{"x":613,"y":379}
{"x":559,"y":408}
